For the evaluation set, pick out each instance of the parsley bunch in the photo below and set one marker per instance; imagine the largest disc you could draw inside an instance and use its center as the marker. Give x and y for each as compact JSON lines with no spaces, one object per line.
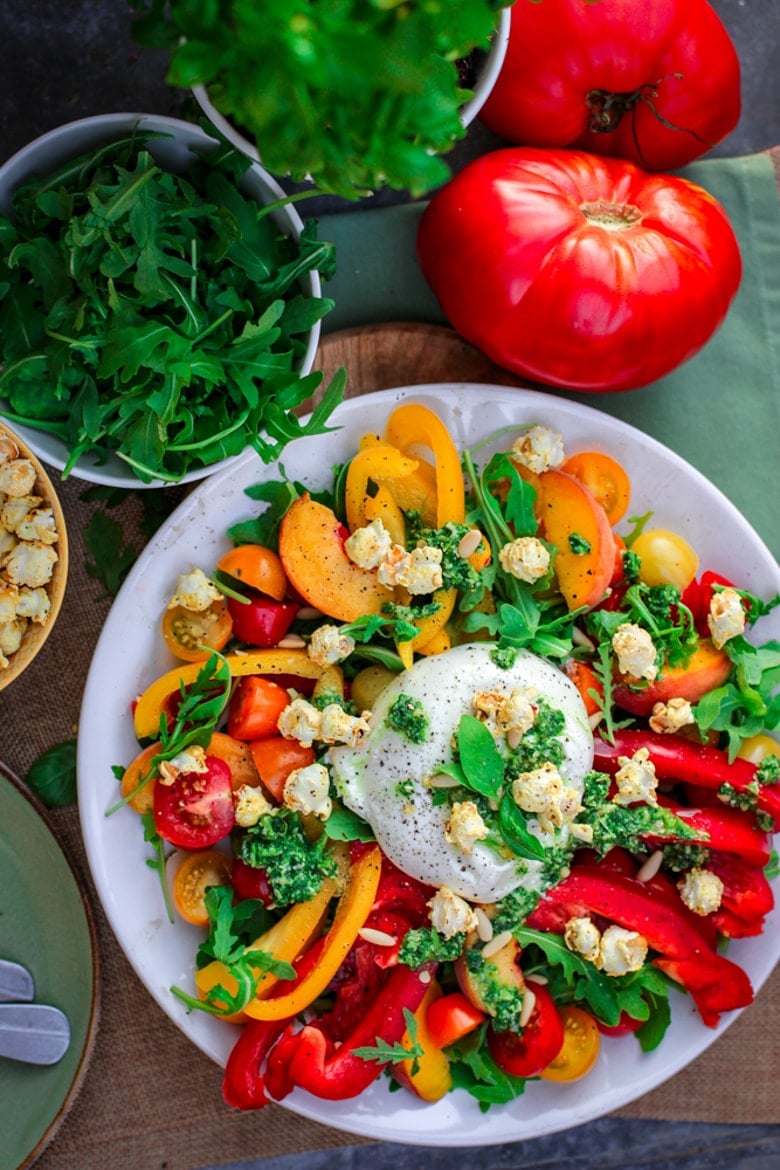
{"x":156,"y":316}
{"x":358,"y":95}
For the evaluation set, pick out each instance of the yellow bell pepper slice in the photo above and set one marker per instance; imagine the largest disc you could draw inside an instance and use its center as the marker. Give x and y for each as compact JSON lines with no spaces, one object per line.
{"x":285,"y":940}
{"x":412,"y":425}
{"x":427,"y":1075}
{"x":352,"y":911}
{"x":429,"y":628}
{"x":384,"y":507}
{"x":151,"y":703}
{"x":440,"y":642}
{"x":374,"y":463}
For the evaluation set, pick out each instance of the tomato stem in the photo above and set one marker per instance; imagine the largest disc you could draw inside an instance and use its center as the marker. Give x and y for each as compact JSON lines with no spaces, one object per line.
{"x":614,"y":217}
{"x":607,"y":109}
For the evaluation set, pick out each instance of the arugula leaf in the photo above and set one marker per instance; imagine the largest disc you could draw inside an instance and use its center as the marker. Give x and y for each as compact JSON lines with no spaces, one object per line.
{"x":384,"y":1053}
{"x":572,"y":977}
{"x":474,"y":1070}
{"x":344,"y":825}
{"x":748,"y":703}
{"x":231,"y":930}
{"x":157,"y":316}
{"x":52,"y":777}
{"x":197,"y":716}
{"x":158,"y":860}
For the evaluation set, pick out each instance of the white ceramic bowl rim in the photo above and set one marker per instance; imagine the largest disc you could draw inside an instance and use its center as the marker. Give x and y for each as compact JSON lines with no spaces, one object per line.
{"x":488,"y":74}
{"x":52,"y":149}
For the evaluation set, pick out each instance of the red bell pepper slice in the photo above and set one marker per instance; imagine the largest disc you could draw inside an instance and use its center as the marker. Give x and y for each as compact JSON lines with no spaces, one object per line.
{"x":746,"y":892}
{"x":727,"y":829}
{"x":310,"y":1060}
{"x":714,"y":982}
{"x":677,"y":758}
{"x":243,"y":1084}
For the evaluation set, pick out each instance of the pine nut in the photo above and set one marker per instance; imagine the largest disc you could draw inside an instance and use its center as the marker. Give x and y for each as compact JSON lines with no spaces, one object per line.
{"x":542,"y":980}
{"x":442,"y":781}
{"x":484,"y":925}
{"x":529,"y":1003}
{"x":497,"y":943}
{"x":513,"y":737}
{"x":380,"y":938}
{"x":580,"y":638}
{"x":595,"y":719}
{"x":308,"y":613}
{"x":469,"y":543}
{"x":650,"y":867}
{"x":291,"y":642}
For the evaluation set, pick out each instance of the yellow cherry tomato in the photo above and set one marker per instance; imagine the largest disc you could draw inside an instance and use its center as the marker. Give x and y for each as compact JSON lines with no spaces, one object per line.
{"x":581,"y":1044}
{"x":757,"y":747}
{"x":195,"y":875}
{"x":666,"y":558}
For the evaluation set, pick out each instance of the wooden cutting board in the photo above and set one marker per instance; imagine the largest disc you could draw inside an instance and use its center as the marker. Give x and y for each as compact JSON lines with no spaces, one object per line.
{"x":378,"y":357}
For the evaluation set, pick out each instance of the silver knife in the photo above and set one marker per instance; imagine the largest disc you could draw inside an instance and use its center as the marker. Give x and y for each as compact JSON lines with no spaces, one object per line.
{"x":16,"y":983}
{"x":33,"y":1032}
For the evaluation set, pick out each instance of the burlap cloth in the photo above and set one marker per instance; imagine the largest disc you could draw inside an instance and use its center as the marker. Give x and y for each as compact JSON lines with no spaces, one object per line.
{"x":149,"y":1097}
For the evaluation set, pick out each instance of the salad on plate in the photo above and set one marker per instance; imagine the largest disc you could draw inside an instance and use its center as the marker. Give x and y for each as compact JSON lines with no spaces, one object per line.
{"x":465,"y":770}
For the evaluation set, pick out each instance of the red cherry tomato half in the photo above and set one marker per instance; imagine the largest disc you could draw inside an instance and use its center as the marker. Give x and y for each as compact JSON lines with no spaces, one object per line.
{"x":249,"y":881}
{"x":255,"y":707}
{"x":624,"y":1027}
{"x":526,"y":1053}
{"x":196,"y":810}
{"x":451,"y":1017}
{"x":260,"y":621}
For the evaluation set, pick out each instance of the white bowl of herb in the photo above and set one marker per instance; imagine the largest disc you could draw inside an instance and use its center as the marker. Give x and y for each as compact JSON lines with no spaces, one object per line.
{"x":160,"y":303}
{"x":353,"y":97}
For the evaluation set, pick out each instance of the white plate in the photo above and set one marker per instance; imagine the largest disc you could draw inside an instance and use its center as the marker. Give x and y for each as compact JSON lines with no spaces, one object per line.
{"x":129,"y":655}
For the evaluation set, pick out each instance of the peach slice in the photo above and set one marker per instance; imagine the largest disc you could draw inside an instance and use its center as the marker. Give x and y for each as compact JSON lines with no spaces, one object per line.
{"x":707,"y":669}
{"x":566,"y":510}
{"x":311,"y":547}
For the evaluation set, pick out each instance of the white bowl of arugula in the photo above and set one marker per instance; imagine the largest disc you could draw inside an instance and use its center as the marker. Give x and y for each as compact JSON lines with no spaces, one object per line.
{"x":160,"y":308}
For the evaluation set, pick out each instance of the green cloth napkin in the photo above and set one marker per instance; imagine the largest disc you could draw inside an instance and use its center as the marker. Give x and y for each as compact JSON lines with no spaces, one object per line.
{"x":720,"y":411}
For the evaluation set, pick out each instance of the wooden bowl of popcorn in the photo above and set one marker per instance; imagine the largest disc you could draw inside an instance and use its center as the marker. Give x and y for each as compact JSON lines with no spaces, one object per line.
{"x":33,"y":556}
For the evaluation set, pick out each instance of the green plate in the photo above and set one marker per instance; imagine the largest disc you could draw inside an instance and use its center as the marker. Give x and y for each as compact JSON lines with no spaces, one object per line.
{"x":46,"y":924}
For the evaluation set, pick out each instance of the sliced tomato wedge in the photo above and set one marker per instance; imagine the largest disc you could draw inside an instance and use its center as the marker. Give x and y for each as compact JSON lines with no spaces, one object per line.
{"x":192,"y":636}
{"x":255,"y":707}
{"x":196,"y":810}
{"x":451,"y":1017}
{"x":198,"y":872}
{"x":526,"y":1053}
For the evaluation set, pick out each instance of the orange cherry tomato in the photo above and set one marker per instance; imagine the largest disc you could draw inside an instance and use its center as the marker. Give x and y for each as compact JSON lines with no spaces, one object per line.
{"x":135,"y":772}
{"x":196,"y":874}
{"x":255,"y":707}
{"x":275,"y":758}
{"x":581,"y":1044}
{"x":191,"y":636}
{"x":236,"y":755}
{"x":604,"y":477}
{"x":451,"y":1017}
{"x":258,"y":567}
{"x":585,"y":680}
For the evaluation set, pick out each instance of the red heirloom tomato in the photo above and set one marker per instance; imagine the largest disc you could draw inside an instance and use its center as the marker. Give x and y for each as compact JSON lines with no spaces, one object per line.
{"x":656,"y":82}
{"x":577,"y":270}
